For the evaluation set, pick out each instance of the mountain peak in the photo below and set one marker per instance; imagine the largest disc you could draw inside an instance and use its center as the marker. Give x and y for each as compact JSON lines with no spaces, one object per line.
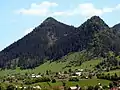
{"x":50,"y":20}
{"x":116,"y":27}
{"x":95,"y":23}
{"x":96,"y":19}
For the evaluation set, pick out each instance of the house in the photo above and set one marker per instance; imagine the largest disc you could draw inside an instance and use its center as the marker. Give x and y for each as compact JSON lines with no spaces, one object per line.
{"x":33,"y":76}
{"x":34,"y":87}
{"x":86,"y":77}
{"x":78,"y":73}
{"x":38,"y":87}
{"x":20,"y":87}
{"x":80,"y":70}
{"x":37,"y":76}
{"x":74,"y":88}
{"x":25,"y":87}
{"x":74,"y":76}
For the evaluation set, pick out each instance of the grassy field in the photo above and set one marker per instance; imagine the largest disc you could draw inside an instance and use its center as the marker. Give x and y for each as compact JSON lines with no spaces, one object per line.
{"x":82,"y":83}
{"x":89,"y":65}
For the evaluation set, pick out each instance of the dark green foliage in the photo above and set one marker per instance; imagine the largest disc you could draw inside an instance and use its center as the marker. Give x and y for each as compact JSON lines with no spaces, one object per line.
{"x":63,"y":83}
{"x":36,"y":80}
{"x":111,"y":85}
{"x":65,"y":72}
{"x":96,"y":87}
{"x":114,"y":77}
{"x":11,"y":87}
{"x":2,"y":86}
{"x":105,"y":87}
{"x":90,"y":76}
{"x":90,"y":88}
{"x":73,"y":79}
{"x":53,"y":81}
{"x":70,"y":70}
{"x":47,"y":72}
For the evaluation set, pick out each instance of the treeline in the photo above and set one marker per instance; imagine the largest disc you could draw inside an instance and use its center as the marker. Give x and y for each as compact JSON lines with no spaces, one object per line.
{"x":114,"y":77}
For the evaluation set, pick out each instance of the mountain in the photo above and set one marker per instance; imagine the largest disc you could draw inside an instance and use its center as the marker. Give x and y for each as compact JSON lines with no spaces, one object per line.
{"x":116,"y":27}
{"x":52,"y":40}
{"x":79,"y":39}
{"x":30,"y":51}
{"x":91,"y":27}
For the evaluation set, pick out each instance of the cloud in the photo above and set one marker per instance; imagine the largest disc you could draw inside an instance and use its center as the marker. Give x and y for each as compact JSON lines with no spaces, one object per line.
{"x":117,"y":7}
{"x":28,"y":30}
{"x":106,"y":10}
{"x":41,"y":9}
{"x":88,"y":9}
{"x":84,"y":9}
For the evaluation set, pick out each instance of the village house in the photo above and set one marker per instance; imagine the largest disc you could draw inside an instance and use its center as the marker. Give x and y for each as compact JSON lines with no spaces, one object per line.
{"x":37,"y":76}
{"x":78,"y":73}
{"x":74,"y":88}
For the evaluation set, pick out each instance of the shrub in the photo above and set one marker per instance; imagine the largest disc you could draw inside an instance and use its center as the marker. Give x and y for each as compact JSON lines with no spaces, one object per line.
{"x":96,"y":87}
{"x":10,"y":87}
{"x":105,"y":87}
{"x":2,"y":87}
{"x":36,"y":80}
{"x":73,"y":79}
{"x":110,"y":85}
{"x":90,"y":88}
{"x":53,"y":81}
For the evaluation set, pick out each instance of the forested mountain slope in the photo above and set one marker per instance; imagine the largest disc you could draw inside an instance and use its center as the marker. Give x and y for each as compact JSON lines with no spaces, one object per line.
{"x":52,"y":40}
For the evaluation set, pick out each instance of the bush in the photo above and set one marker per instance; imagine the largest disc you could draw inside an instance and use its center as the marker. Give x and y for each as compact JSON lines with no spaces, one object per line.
{"x":110,"y":85}
{"x":105,"y":87}
{"x":28,"y":81}
{"x":10,"y":87}
{"x":90,"y":88}
{"x":36,"y":80}
{"x":96,"y":87}
{"x":2,"y":87}
{"x":53,"y":81}
{"x":65,"y":72}
{"x":74,"y":79}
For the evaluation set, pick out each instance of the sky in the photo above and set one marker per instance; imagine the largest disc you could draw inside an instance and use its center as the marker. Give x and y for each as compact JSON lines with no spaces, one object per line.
{"x":19,"y":17}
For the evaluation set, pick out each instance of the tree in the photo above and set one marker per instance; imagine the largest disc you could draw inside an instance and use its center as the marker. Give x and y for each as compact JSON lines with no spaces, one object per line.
{"x":90,"y":76}
{"x":96,"y":87}
{"x":47,"y":72}
{"x":2,"y":87}
{"x":70,"y":70}
{"x":111,"y":85}
{"x":53,"y":81}
{"x":64,"y":85}
{"x":10,"y":87}
{"x":90,"y":88}
{"x":65,"y":72}
{"x":73,"y":79}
